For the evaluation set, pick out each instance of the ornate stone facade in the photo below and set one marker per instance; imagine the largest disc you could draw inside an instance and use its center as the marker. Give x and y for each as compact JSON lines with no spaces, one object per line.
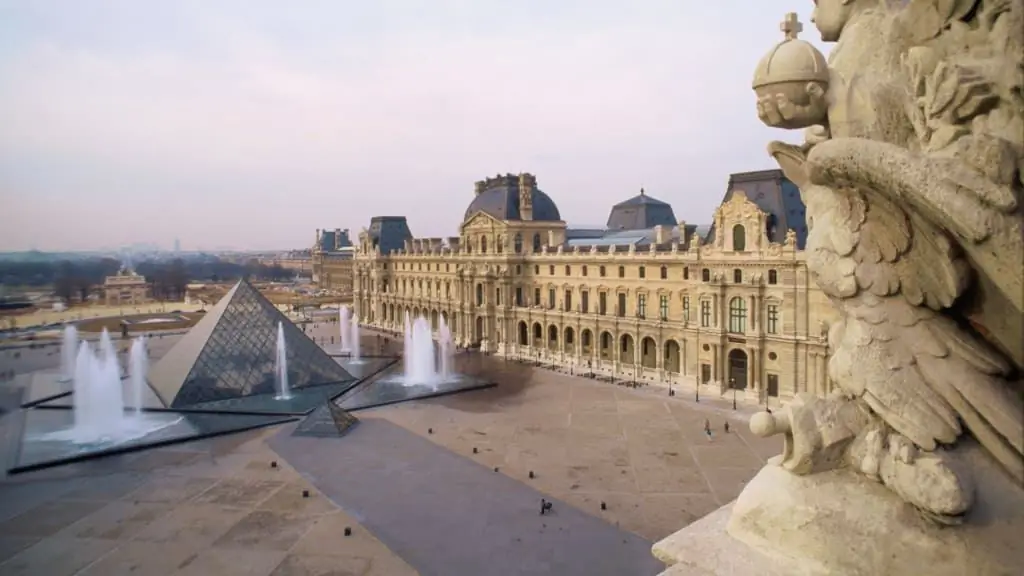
{"x":331,"y":260}
{"x":126,"y":288}
{"x":656,"y":305}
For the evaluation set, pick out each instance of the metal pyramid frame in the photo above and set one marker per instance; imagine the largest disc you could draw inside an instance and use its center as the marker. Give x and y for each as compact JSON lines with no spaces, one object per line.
{"x":231,"y":353}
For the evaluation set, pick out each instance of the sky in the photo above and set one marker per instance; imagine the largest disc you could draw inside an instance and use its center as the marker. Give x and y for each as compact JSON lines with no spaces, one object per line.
{"x":251,"y":123}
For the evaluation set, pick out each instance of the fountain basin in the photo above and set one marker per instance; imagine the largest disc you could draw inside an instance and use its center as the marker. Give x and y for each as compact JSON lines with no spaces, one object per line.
{"x":43,"y":442}
{"x":394,"y":388}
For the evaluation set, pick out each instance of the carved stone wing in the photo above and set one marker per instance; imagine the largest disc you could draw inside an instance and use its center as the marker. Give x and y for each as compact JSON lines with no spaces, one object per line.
{"x":900,"y":350}
{"x":982,"y":218}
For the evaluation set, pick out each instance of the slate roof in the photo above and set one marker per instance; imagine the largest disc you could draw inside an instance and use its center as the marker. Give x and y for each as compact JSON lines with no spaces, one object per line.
{"x":389,"y":233}
{"x":641,"y":212}
{"x":502,"y":202}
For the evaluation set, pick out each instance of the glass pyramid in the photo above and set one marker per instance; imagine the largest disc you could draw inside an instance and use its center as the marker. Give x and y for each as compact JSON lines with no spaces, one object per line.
{"x":231,"y":354}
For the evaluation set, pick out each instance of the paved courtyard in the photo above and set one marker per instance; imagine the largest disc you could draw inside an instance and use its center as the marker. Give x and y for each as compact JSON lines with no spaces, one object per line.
{"x":217,"y":507}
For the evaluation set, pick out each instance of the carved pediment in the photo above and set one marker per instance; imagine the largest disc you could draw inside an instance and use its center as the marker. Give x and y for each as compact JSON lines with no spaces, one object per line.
{"x":738,"y":207}
{"x":482,"y":221}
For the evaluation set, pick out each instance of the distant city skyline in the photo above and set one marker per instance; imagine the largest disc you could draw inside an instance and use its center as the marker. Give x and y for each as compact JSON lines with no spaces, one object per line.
{"x":239,"y":124}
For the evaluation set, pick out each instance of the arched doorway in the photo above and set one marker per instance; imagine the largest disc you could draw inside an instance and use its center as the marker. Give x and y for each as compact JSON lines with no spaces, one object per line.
{"x":553,"y":338}
{"x":737,"y":369}
{"x":586,"y":338}
{"x":606,"y":346}
{"x":569,"y":340}
{"x":627,"y":350}
{"x":672,"y":356}
{"x":444,"y":318}
{"x":648,"y":353}
{"x":479,"y":334}
{"x":538,"y":335}
{"x":433,"y":320}
{"x":524,"y":334}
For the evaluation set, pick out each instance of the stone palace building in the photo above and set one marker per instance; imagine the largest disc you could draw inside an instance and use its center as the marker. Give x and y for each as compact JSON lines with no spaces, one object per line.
{"x":647,"y":298}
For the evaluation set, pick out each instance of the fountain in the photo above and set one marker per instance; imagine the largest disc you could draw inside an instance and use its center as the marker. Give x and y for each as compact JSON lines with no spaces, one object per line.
{"x":344,"y":318}
{"x":98,"y":401}
{"x":68,"y":351}
{"x":353,"y":341}
{"x":281,"y":366}
{"x":407,"y":334}
{"x":427,"y":371}
{"x":138,"y":367}
{"x":444,"y":341}
{"x":421,"y":365}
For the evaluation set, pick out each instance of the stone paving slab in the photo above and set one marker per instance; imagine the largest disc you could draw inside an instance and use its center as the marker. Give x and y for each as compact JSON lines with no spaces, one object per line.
{"x":446,"y":515}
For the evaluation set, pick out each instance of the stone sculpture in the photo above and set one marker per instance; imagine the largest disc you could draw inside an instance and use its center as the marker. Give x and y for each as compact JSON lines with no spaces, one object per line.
{"x":911,"y":173}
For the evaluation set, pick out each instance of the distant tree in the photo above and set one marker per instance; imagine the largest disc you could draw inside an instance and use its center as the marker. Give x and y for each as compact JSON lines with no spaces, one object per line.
{"x":83,"y":286}
{"x":64,"y":286}
{"x":177,"y":278}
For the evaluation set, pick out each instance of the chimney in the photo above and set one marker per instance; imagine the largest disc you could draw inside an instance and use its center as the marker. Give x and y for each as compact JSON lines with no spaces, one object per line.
{"x":479,"y":187}
{"x":661,"y":235}
{"x":526,"y":185}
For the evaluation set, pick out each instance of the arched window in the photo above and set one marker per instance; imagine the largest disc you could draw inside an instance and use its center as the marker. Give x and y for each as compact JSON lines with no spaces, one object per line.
{"x":518,"y":243}
{"x":773,"y":277}
{"x":737,"y":315}
{"x":536,"y":242}
{"x":483,"y":244}
{"x":739,"y":238}
{"x":705,"y":275}
{"x":737,"y":276}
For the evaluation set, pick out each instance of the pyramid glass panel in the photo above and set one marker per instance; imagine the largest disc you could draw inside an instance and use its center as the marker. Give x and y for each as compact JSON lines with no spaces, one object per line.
{"x":238,"y":358}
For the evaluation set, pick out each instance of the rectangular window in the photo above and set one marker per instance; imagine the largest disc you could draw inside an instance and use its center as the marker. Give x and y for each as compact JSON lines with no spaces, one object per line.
{"x":643,"y":272}
{"x":686,"y":308}
{"x":663,"y":308}
{"x":519,"y":296}
{"x":568,"y":300}
{"x":622,"y":305}
{"x":551,"y":270}
{"x":584,"y":271}
{"x":536,"y":296}
{"x":705,"y":313}
{"x":773,"y":319}
{"x":641,"y":305}
{"x":601,"y":271}
{"x":602,"y":303}
{"x":585,"y":302}
{"x":551,"y":298}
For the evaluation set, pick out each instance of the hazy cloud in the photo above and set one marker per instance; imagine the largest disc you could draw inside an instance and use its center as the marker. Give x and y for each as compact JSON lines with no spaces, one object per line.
{"x":242,"y":124}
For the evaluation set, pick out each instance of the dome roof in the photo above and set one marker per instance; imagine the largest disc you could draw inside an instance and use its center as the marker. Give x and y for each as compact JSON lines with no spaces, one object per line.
{"x":499,"y":197}
{"x":792,"y":60}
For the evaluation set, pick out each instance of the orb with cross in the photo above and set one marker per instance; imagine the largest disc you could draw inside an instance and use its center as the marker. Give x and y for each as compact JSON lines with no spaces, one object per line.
{"x":793,"y":79}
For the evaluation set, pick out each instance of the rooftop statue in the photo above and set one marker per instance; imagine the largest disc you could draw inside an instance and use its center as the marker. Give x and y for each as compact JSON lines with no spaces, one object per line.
{"x":911,"y":173}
